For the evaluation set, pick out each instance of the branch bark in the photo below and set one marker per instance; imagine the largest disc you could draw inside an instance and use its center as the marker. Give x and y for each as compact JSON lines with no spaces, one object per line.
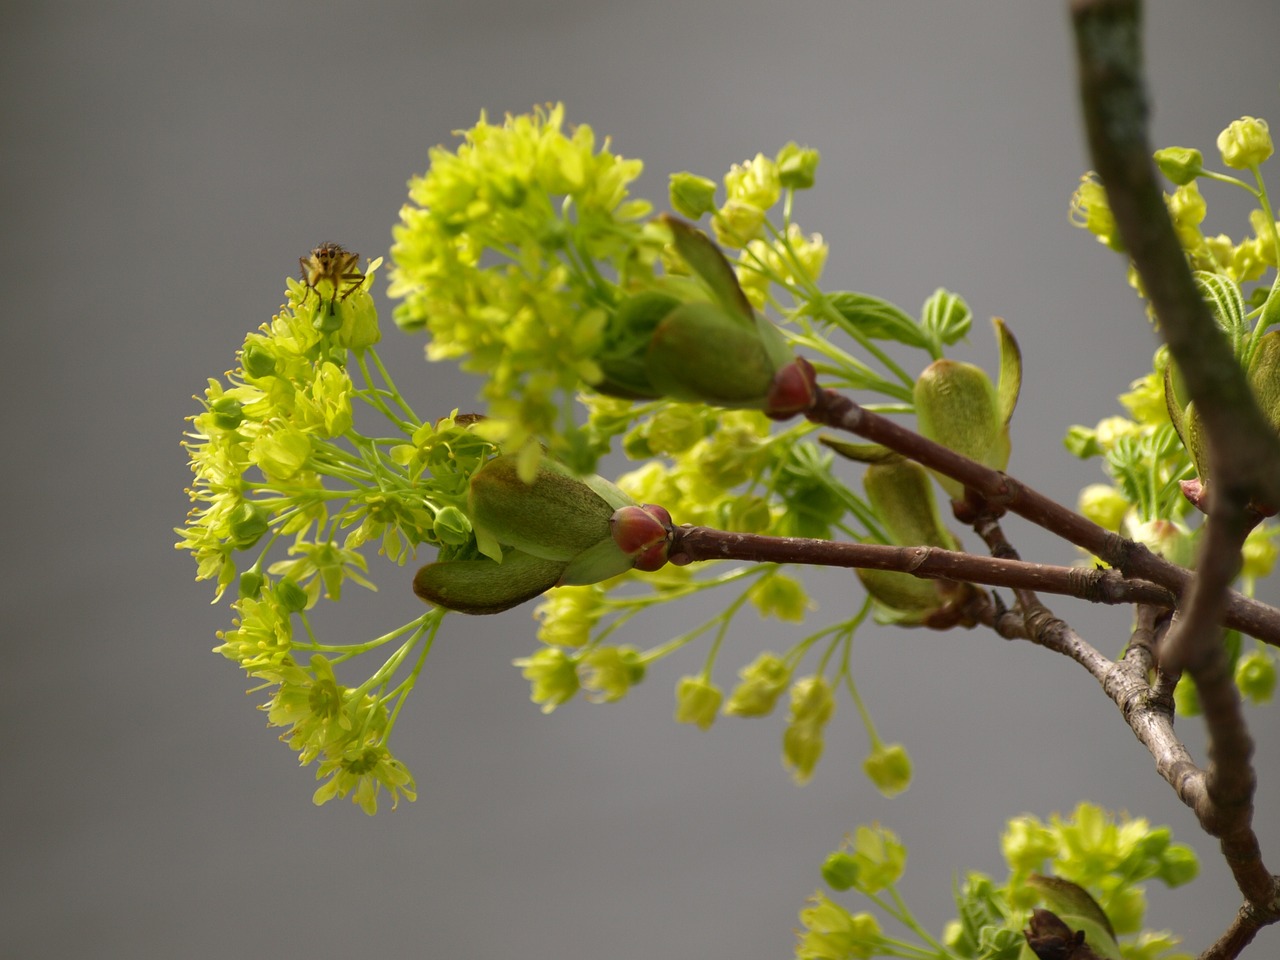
{"x":1244,"y":451}
{"x":1002,"y":491}
{"x":691,"y":544}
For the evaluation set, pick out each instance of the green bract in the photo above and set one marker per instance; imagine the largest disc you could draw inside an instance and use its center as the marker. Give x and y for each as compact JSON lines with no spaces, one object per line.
{"x":958,"y":407}
{"x":557,"y":530}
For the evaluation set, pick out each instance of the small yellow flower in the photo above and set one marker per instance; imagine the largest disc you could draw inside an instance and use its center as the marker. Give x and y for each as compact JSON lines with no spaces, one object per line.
{"x":1245,"y":143}
{"x":697,"y":701}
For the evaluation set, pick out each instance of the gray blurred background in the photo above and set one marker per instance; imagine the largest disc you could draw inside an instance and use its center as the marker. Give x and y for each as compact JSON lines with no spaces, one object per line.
{"x":164,"y":166}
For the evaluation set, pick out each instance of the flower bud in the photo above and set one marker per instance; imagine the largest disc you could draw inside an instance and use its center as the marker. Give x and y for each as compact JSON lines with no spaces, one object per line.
{"x":1180,"y":164}
{"x":568,"y":616}
{"x":1245,"y":143}
{"x":701,"y":353}
{"x":780,"y":596}
{"x":359,"y":314}
{"x":751,"y":514}
{"x":228,"y":413}
{"x":737,"y":223}
{"x":250,"y":584}
{"x":1178,"y":865}
{"x":1026,"y":844}
{"x":881,"y":858}
{"x":1090,"y":210}
{"x":1256,"y":676}
{"x":674,"y":429}
{"x":956,"y":406}
{"x":889,"y":768}
{"x":1169,"y":539}
{"x":248,"y":523}
{"x":280,"y":453}
{"x":692,"y":195}
{"x":290,"y":595}
{"x":1258,"y":554}
{"x":612,"y":671}
{"x":763,"y":681}
{"x":755,"y":182}
{"x":797,"y":166}
{"x":1104,"y":505}
{"x":840,"y":870}
{"x":451,"y":527}
{"x":697,"y":701}
{"x":554,"y":675}
{"x":831,"y":932}
{"x":257,"y":361}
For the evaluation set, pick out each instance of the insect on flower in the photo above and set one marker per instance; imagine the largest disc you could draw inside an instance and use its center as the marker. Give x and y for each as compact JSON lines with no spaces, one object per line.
{"x":336,"y":264}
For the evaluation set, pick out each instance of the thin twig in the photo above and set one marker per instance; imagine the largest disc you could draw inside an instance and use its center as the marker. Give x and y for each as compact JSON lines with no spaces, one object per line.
{"x":1000,"y":490}
{"x":927,"y":563}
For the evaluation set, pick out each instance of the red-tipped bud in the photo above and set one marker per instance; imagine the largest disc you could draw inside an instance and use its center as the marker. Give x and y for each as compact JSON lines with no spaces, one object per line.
{"x":634,"y":529}
{"x":643,"y":532}
{"x":794,"y":389}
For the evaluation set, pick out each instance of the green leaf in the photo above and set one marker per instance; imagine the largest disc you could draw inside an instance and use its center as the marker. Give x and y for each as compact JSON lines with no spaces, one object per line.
{"x":1010,"y":384}
{"x":1172,"y":405}
{"x":945,"y":317}
{"x":872,"y":317}
{"x":706,"y":260}
{"x":858,"y":452}
{"x":1223,"y":295}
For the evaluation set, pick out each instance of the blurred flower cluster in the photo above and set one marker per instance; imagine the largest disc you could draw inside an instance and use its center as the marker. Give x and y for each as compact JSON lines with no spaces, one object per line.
{"x":1155,"y":455}
{"x":1089,"y":869}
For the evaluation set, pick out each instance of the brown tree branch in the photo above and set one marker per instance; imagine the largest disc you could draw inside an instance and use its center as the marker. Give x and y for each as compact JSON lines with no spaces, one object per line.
{"x":1112,"y":91}
{"x":1000,"y":490}
{"x":691,"y":544}
{"x":1244,"y":451}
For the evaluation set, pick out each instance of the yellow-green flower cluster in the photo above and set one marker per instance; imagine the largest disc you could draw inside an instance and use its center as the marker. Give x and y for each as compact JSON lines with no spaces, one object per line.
{"x":278,"y":462}
{"x":556,"y":674}
{"x":510,"y":251}
{"x":1142,"y":453}
{"x":1093,"y":856}
{"x":770,"y":255}
{"x":727,"y":469}
{"x":344,"y":730}
{"x":833,"y":933}
{"x":1244,"y":145}
{"x":279,"y":412}
{"x":1109,"y":856}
